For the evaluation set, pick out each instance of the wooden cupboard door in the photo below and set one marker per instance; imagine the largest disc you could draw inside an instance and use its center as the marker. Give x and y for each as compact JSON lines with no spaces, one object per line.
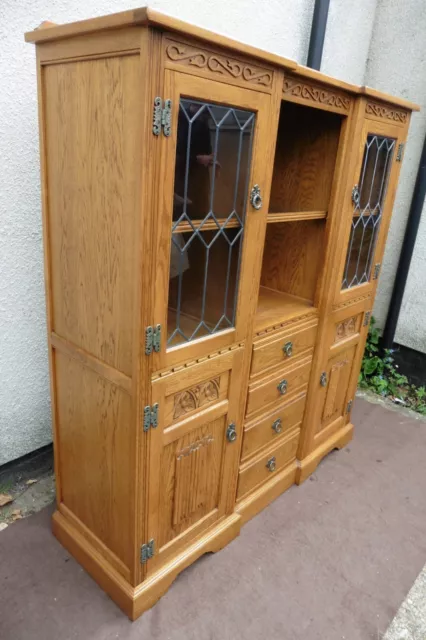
{"x":373,"y":193}
{"x":207,"y":224}
{"x":194,"y":453}
{"x":335,"y":385}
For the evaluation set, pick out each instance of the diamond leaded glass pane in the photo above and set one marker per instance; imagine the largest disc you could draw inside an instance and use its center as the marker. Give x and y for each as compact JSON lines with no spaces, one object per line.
{"x":212,"y":168}
{"x":368,"y":210}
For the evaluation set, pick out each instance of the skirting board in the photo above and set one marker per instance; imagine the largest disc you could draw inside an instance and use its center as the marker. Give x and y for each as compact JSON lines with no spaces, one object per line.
{"x":135,"y":600}
{"x":337,"y":441}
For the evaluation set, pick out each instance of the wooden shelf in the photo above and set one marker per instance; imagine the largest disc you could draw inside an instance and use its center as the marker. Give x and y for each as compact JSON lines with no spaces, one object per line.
{"x":293,"y":216}
{"x":274,"y":307}
{"x":210,"y":225}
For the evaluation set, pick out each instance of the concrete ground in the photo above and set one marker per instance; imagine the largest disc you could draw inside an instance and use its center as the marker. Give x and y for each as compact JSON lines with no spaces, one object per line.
{"x":332,"y":559}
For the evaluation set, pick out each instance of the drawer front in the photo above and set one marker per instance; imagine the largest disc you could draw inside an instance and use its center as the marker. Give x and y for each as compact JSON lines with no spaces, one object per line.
{"x":283,"y":348}
{"x":282,"y":383}
{"x":272,"y":427}
{"x":266,"y":466}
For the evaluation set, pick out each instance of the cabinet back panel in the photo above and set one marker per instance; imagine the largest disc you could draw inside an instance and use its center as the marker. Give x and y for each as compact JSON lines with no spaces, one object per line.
{"x":305,"y":157}
{"x":95,"y":450}
{"x":92,"y":152}
{"x":293,"y":257}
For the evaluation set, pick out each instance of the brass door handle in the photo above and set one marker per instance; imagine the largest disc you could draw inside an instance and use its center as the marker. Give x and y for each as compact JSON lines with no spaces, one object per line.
{"x":231,"y":433}
{"x":323,"y":379}
{"x":255,"y":197}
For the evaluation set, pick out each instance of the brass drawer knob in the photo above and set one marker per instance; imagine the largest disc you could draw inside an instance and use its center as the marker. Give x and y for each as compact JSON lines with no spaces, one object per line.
{"x":231,"y":433}
{"x":288,"y":349}
{"x":271,"y":465}
{"x":277,"y":425}
{"x":282,"y":387}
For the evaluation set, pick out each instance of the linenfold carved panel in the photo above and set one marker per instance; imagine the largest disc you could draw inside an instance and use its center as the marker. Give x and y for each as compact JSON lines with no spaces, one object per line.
{"x":388,"y":113}
{"x":191,"y":478}
{"x":345,"y":329}
{"x":217,"y":64}
{"x":330,"y":406}
{"x":196,"y":397}
{"x":311,"y":92}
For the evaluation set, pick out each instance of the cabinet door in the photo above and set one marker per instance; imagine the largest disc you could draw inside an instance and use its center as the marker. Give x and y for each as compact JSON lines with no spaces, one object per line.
{"x":373,"y":193}
{"x":194,"y":450}
{"x":208,"y":249}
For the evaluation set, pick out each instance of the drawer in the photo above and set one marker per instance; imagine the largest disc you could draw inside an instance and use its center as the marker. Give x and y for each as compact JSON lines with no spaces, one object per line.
{"x":273,"y":426}
{"x":283,"y":348}
{"x":272,"y":388}
{"x":267,"y":465}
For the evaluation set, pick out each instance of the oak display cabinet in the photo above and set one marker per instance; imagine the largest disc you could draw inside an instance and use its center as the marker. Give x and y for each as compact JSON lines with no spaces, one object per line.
{"x":214,"y":221}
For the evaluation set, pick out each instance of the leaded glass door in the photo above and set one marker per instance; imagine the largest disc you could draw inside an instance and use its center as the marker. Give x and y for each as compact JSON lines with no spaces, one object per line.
{"x":372,"y":198}
{"x":210,"y":164}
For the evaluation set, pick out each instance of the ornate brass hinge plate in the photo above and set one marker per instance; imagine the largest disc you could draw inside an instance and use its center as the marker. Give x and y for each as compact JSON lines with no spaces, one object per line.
{"x":400,"y":152}
{"x":152,"y":339}
{"x":367,"y":317}
{"x":162,"y":117}
{"x":376,"y":270}
{"x":150,"y":417}
{"x":147,"y":551}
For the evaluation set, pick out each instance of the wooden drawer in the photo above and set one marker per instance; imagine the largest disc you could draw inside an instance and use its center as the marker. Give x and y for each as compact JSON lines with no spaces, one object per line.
{"x":285,"y":348}
{"x":266,"y":391}
{"x":273,"y":426}
{"x":267,"y":465}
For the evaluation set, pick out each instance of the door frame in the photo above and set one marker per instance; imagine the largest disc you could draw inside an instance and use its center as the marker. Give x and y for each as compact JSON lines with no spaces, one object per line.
{"x":365,"y":290}
{"x":177,"y":84}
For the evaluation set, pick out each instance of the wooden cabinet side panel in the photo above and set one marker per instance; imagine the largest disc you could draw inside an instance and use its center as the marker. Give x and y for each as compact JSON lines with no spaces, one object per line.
{"x":95,"y":447}
{"x":92,"y":152}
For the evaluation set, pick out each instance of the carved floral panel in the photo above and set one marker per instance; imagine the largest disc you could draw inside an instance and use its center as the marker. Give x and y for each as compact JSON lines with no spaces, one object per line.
{"x":345,"y":329}
{"x":196,"y":397}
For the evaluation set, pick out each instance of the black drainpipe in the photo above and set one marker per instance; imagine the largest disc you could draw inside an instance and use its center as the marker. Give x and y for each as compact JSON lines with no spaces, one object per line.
{"x":406,"y":253}
{"x":316,"y":42}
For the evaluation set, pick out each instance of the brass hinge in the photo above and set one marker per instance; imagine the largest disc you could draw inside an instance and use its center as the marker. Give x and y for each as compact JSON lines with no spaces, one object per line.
{"x":150,"y":417}
{"x":147,"y":551}
{"x":376,"y":271}
{"x":367,"y":317}
{"x":152,"y":339}
{"x":349,"y":406}
{"x":400,"y":152}
{"x":162,"y":117}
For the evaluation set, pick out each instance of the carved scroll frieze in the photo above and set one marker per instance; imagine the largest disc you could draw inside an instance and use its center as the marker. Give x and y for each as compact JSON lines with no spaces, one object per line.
{"x":195,"y":397}
{"x":388,"y":113}
{"x":217,"y":64}
{"x":311,"y":92}
{"x":345,"y":329}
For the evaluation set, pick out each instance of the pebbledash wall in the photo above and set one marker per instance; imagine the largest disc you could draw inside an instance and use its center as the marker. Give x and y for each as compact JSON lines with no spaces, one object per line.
{"x":380,"y":43}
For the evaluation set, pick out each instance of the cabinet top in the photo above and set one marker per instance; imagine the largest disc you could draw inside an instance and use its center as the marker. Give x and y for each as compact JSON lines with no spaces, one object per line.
{"x":49,"y":32}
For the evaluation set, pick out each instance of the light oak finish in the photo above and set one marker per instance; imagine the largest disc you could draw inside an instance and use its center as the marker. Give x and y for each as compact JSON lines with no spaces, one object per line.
{"x":184,"y":445}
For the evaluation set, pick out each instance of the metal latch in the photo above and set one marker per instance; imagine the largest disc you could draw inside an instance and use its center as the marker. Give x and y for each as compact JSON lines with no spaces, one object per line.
{"x":150,"y":417}
{"x":162,"y":117}
{"x":147,"y":551}
{"x":349,"y":406}
{"x":152,"y":339}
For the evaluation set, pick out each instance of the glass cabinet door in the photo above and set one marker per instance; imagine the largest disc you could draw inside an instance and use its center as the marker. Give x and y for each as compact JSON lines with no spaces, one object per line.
{"x":368,"y":197}
{"x":210,"y":165}
{"x":212,"y":169}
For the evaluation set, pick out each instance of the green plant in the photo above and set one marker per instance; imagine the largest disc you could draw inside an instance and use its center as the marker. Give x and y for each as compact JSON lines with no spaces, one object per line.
{"x":381,"y":375}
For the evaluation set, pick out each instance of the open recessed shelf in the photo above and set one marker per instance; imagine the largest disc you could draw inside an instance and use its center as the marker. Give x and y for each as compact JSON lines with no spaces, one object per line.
{"x":304,"y":163}
{"x":274,"y":307}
